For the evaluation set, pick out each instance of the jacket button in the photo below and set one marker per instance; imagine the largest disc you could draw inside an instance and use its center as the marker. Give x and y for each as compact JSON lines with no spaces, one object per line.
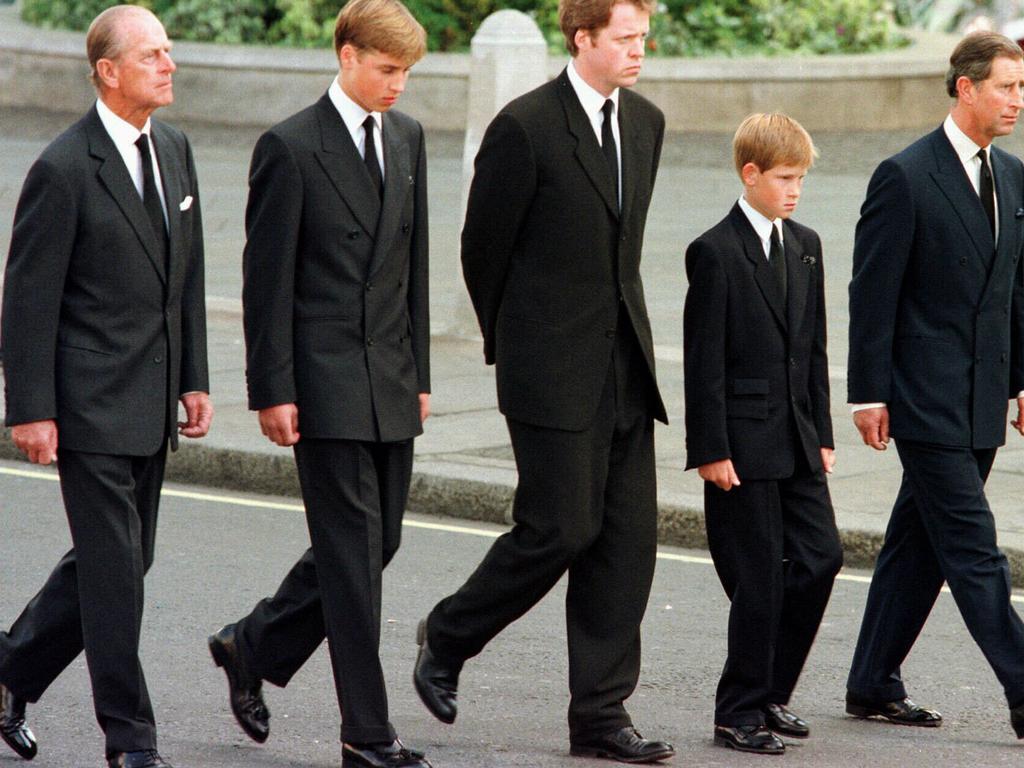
{"x":963,"y":261}
{"x":369,"y":342}
{"x":158,"y":359}
{"x":609,"y":334}
{"x":353,"y":234}
{"x":405,"y":228}
{"x":1002,"y":358}
{"x":369,"y":286}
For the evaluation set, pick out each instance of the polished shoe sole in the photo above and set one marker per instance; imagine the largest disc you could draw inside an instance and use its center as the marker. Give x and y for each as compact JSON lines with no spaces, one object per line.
{"x":782,"y":732}
{"x":724,"y":742}
{"x":605,"y":754}
{"x":866,"y":713}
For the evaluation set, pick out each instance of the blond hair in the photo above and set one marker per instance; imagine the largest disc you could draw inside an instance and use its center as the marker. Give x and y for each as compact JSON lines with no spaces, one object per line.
{"x":772,"y":139}
{"x":591,"y":16}
{"x":385,"y":26}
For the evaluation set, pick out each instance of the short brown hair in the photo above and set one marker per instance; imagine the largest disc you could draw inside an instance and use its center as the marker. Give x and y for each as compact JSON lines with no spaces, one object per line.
{"x":103,"y":40}
{"x":772,"y":139}
{"x":591,"y":16}
{"x":385,"y":26}
{"x":973,"y":56}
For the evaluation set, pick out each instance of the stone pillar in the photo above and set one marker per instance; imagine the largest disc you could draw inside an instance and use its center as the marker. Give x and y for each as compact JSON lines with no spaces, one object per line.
{"x":509,"y":58}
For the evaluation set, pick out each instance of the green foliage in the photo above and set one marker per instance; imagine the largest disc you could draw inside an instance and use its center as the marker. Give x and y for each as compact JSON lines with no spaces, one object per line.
{"x":679,"y":28}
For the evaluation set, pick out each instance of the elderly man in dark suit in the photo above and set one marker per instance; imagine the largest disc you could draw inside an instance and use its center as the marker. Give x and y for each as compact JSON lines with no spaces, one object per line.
{"x":337,"y":333}
{"x":551,"y":255}
{"x":936,"y":351}
{"x":104,"y":332}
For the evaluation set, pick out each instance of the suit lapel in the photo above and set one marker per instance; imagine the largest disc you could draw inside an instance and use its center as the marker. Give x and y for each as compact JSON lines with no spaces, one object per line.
{"x":798,"y":277}
{"x":588,"y":151}
{"x":170,"y":178}
{"x":344,"y":167}
{"x":630,"y":138}
{"x":762,"y":272}
{"x":113,"y":175}
{"x":953,"y":183}
{"x":397,"y":184}
{"x":1008,"y":195}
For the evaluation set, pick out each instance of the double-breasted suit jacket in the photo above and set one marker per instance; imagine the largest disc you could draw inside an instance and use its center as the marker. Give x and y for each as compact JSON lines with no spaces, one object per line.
{"x":936,"y":306}
{"x":756,"y":369}
{"x":99,"y":332}
{"x":548,"y":255}
{"x":336,"y":296}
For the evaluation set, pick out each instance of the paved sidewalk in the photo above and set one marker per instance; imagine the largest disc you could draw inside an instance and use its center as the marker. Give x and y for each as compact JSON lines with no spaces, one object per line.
{"x":464,"y":464}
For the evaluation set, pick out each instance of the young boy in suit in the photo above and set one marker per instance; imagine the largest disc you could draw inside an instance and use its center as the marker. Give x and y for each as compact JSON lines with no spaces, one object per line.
{"x":758,"y":430}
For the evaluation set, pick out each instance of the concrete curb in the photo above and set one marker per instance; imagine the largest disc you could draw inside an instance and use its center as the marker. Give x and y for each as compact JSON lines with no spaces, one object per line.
{"x":460,"y":498}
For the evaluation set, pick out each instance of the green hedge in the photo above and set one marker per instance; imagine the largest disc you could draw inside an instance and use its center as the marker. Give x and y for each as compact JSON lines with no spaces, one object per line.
{"x":680,"y":28}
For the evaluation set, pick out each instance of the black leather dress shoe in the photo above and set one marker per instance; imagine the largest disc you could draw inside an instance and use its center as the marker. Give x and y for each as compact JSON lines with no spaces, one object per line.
{"x":902,"y":711}
{"x":13,"y":730}
{"x":146,"y":758}
{"x":749,"y":738}
{"x":781,"y":720}
{"x":394,"y":755}
{"x":245,"y":689}
{"x":1017,"y":720}
{"x":437,"y":683}
{"x":624,"y":745}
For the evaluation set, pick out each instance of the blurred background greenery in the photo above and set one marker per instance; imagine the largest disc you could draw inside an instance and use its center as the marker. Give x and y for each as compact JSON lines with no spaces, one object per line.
{"x":679,"y":28}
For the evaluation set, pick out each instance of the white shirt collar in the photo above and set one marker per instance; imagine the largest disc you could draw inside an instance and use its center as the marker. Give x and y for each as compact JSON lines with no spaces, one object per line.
{"x":123,"y":133}
{"x":964,"y":147}
{"x":351,"y":113}
{"x":762,"y":224}
{"x":591,"y":100}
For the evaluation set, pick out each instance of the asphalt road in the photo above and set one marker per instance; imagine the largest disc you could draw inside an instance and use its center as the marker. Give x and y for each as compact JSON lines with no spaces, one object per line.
{"x":217,"y":554}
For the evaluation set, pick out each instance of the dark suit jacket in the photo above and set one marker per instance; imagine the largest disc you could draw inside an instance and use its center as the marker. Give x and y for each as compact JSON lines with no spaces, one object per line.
{"x":546,"y":253}
{"x":756,"y":370}
{"x":936,"y":309}
{"x":335,"y":282}
{"x":96,"y":334}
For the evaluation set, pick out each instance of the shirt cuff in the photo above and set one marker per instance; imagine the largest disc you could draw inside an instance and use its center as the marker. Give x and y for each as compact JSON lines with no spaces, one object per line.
{"x":854,"y":407}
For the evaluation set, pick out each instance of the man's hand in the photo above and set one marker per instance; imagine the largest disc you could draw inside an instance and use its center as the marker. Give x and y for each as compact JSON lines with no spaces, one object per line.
{"x":828,"y":459}
{"x":424,"y":406}
{"x":721,"y":473}
{"x":873,"y":425}
{"x":198,"y":414}
{"x":37,"y":440}
{"x":1018,"y":424}
{"x":281,"y":423}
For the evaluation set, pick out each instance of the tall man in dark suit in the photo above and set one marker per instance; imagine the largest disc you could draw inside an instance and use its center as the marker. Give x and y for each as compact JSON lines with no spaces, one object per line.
{"x":337,"y":335}
{"x":936,"y":350}
{"x":551,"y":256}
{"x":758,"y":430}
{"x":104,"y":331}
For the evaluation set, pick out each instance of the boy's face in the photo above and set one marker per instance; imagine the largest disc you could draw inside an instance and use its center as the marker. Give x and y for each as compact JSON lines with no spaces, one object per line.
{"x":372,"y":79}
{"x":773,"y":193}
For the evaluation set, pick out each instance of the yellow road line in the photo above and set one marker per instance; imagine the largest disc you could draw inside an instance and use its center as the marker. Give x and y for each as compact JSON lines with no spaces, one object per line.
{"x":465,"y":530}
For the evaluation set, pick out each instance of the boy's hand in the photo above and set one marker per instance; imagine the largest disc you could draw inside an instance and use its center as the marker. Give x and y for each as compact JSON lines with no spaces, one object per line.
{"x":721,"y":473}
{"x":828,"y":459}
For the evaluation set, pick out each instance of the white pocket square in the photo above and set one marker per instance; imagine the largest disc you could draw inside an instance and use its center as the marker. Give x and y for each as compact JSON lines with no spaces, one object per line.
{"x":185,"y":204}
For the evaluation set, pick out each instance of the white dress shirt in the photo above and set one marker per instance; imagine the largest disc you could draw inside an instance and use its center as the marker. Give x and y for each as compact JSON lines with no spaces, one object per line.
{"x":593,"y":104}
{"x":124,"y":135}
{"x":354,"y":116}
{"x":762,"y":225}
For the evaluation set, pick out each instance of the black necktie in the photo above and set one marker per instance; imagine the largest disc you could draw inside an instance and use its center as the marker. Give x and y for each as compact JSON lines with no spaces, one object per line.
{"x":777,"y":261}
{"x":611,"y":153}
{"x":151,"y":198}
{"x":370,"y":157}
{"x":987,"y":191}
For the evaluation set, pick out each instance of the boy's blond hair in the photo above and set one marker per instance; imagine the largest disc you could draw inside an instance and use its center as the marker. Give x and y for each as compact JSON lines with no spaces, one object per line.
{"x":772,"y":139}
{"x":385,"y":26}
